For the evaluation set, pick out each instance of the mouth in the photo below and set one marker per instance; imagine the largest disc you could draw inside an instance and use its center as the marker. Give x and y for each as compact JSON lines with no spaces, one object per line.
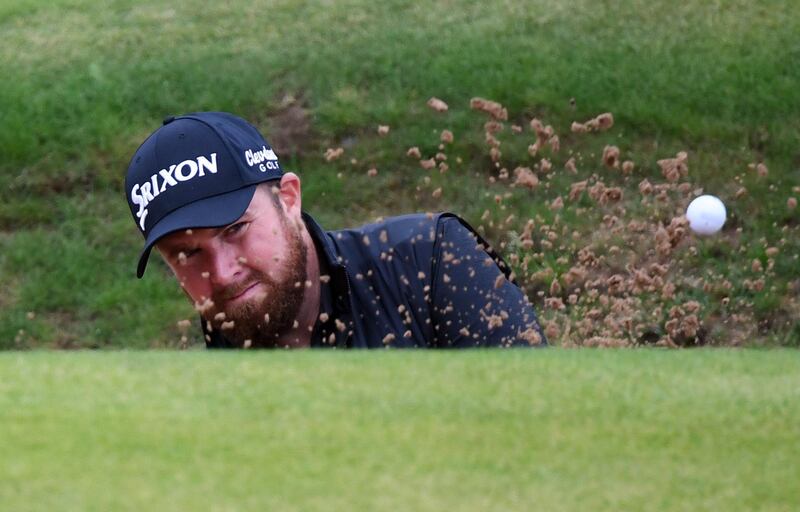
{"x":246,"y":292}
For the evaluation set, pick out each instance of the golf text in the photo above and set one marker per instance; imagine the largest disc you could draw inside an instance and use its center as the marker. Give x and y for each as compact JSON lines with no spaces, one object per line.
{"x":184,"y":171}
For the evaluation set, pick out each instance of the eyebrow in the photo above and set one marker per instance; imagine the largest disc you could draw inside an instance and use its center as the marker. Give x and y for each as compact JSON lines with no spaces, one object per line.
{"x":186,"y":247}
{"x":173,"y":249}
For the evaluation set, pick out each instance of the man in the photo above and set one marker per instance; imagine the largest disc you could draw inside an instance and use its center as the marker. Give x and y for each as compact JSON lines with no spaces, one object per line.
{"x":208,"y":192}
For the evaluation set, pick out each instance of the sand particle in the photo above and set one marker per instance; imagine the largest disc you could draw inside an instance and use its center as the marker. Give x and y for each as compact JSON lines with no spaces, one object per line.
{"x":437,"y":105}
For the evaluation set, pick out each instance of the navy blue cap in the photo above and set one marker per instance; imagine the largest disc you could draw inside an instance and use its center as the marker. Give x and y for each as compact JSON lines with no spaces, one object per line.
{"x":199,"y":170}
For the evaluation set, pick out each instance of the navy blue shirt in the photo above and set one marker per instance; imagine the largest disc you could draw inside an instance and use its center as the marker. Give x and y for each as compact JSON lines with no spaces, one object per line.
{"x":425,"y":281}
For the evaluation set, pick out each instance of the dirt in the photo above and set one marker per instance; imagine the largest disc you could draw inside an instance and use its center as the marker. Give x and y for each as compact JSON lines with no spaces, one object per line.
{"x":289,"y":127}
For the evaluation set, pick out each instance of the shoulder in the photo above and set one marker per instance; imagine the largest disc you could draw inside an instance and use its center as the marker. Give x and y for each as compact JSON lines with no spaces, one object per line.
{"x":415,"y":226}
{"x":455,"y":237}
{"x":405,"y":244}
{"x":397,"y":233}
{"x":416,"y":237}
{"x":453,"y":231}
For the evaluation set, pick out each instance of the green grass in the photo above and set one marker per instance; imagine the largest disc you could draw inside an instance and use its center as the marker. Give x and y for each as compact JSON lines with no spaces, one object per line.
{"x":510,"y":430}
{"x":82,"y":83}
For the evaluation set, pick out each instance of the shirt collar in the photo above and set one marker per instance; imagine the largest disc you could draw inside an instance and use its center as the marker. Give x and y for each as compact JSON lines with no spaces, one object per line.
{"x":334,"y":289}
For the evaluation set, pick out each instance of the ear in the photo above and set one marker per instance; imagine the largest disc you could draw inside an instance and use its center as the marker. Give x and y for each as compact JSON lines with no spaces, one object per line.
{"x":290,"y":193}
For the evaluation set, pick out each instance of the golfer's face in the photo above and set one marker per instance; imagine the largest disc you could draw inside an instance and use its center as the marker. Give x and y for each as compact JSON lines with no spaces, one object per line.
{"x":232,"y":265}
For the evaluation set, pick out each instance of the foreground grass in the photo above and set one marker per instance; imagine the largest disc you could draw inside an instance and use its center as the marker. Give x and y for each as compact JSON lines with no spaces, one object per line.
{"x":83,"y":83}
{"x":516,"y":430}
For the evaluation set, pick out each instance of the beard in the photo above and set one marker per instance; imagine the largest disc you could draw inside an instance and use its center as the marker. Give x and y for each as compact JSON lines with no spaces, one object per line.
{"x":271,"y":313}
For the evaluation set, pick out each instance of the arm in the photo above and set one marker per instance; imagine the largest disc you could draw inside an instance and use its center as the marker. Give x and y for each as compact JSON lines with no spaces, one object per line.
{"x":474,"y":303}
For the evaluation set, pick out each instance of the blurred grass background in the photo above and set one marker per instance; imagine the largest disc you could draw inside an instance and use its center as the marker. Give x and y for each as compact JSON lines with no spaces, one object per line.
{"x":475,"y":430}
{"x":82,"y":83}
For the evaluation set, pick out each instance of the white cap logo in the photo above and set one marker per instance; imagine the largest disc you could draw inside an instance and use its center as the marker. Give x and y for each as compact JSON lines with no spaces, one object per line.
{"x":142,"y":194}
{"x":264,"y":156}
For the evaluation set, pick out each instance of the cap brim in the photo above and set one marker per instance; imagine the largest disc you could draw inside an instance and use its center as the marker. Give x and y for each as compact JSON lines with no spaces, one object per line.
{"x":211,"y":212}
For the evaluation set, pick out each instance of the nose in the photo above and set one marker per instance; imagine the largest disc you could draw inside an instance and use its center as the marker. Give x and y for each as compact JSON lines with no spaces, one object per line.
{"x":225,"y":267}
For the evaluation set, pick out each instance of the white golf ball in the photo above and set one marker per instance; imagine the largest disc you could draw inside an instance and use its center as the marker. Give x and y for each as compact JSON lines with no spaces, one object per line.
{"x":706,"y":215}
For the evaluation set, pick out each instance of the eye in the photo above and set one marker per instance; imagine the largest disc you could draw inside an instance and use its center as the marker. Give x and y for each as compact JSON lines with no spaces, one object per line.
{"x":186,"y":253}
{"x":237,"y":228}
{"x":181,"y":257}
